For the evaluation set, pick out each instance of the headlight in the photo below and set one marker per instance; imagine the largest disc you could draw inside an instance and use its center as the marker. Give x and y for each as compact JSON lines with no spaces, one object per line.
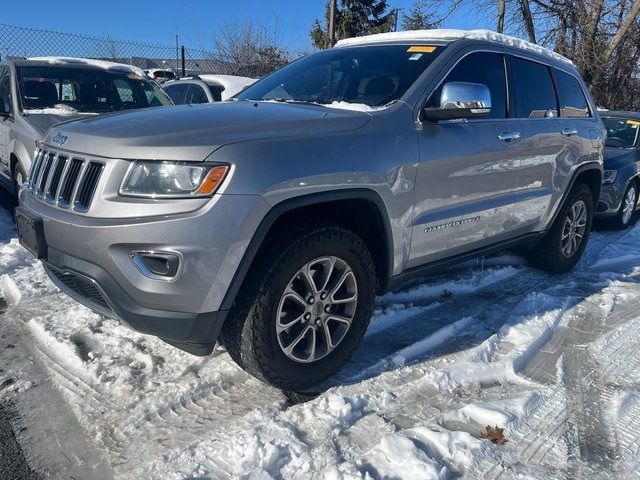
{"x":609,"y":176}
{"x":172,"y":179}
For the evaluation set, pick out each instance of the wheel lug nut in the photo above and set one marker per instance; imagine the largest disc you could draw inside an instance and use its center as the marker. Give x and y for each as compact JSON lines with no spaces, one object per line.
{"x":307,"y":316}
{"x":323,"y":296}
{"x":317,"y":321}
{"x":327,"y":308}
{"x":311,"y":300}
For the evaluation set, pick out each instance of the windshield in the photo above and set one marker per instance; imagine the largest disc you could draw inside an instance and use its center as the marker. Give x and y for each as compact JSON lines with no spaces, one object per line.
{"x":371,"y":76}
{"x":621,"y":132}
{"x":68,"y":90}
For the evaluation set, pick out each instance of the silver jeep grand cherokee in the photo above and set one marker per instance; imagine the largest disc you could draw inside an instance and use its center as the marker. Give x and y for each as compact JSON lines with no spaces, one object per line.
{"x":270,"y":222}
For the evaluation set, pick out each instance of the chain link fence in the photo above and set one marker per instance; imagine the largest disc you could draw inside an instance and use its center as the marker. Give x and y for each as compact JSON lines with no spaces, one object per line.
{"x":21,"y":42}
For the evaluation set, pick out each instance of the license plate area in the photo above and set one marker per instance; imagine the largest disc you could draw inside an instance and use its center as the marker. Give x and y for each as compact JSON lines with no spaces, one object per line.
{"x":31,"y":234}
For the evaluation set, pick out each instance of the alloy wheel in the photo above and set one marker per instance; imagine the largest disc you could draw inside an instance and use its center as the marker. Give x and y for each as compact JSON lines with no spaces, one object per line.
{"x":574,"y":228}
{"x":316,"y":309}
{"x":628,"y":205}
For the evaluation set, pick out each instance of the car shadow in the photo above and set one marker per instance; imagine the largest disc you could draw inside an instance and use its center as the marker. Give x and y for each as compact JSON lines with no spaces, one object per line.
{"x":429,"y":331}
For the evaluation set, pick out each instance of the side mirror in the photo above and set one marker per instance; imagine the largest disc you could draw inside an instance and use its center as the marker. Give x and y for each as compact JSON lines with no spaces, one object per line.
{"x":460,"y":100}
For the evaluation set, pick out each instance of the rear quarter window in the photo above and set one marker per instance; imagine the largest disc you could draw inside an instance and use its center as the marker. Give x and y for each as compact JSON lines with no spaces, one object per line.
{"x":573,"y":102}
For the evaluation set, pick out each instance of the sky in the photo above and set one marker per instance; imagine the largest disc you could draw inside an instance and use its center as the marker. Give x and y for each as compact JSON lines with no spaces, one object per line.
{"x":195,"y":21}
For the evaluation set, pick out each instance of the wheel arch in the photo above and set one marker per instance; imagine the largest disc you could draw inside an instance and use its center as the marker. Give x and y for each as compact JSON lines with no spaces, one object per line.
{"x":354,"y":208}
{"x":591,"y":175}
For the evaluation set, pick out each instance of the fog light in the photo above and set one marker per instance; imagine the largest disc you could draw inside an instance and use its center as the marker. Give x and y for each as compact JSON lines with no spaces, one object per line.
{"x":156,"y":265}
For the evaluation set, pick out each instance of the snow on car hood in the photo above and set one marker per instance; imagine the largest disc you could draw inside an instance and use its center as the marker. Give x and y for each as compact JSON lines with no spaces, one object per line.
{"x":192,"y":132}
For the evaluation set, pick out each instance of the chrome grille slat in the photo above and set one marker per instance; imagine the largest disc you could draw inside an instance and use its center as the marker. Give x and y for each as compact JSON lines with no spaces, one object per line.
{"x":42,"y":174}
{"x":54,"y":179}
{"x":64,"y":180}
{"x":63,"y":175}
{"x":50,"y":173}
{"x":81,"y":177}
{"x":70,"y":182}
{"x":37,"y":161}
{"x":88,"y":187}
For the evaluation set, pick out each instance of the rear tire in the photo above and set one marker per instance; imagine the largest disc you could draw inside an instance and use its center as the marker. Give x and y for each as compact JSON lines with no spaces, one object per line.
{"x":563,"y":245}
{"x":271,"y":313}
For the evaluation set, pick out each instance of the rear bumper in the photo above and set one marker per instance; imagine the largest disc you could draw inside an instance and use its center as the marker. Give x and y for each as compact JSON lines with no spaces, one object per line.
{"x":92,"y":286}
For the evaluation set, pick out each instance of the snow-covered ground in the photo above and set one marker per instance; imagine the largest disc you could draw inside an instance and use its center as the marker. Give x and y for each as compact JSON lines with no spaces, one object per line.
{"x":554,"y":360}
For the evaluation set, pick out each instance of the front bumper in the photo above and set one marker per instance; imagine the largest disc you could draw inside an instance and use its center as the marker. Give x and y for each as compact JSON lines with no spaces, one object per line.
{"x":92,"y":286}
{"x":610,"y":200}
{"x":89,"y":259}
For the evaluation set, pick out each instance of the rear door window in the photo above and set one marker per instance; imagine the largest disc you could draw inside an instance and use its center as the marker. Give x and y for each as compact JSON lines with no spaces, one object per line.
{"x":176,"y":92}
{"x":196,"y":94}
{"x":485,"y":68}
{"x":535,"y":92}
{"x":573,"y":103}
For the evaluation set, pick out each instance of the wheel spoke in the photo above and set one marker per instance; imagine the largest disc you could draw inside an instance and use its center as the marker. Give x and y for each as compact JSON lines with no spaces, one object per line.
{"x":339,"y":318}
{"x":289,"y":349}
{"x":307,"y":278}
{"x":281,"y":327}
{"x":290,"y":294}
{"x":327,"y":272}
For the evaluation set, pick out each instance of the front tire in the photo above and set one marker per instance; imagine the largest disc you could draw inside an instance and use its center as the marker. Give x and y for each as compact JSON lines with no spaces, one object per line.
{"x":304,"y":308}
{"x":625,"y":215}
{"x":563,"y":245}
{"x":19,"y":176}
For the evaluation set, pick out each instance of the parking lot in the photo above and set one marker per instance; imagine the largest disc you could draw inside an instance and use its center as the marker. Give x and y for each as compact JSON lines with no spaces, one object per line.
{"x":551,"y":359}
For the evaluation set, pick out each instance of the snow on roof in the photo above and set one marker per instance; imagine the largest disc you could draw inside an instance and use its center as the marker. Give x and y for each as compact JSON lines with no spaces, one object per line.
{"x":232,"y":84}
{"x":450,"y":35}
{"x":121,"y":67}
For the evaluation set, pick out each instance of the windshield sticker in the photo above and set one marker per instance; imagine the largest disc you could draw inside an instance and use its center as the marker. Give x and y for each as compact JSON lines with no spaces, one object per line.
{"x":134,"y":76}
{"x":633,"y":122}
{"x":421,"y":49}
{"x":415,"y":56}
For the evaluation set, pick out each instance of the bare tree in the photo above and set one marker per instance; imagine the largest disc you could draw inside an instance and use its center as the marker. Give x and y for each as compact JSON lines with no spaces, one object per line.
{"x":501,"y":12}
{"x":250,"y":50}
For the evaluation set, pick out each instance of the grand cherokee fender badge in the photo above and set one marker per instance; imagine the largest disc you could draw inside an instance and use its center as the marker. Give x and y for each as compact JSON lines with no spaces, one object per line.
{"x":442,"y":226}
{"x":59,"y":139}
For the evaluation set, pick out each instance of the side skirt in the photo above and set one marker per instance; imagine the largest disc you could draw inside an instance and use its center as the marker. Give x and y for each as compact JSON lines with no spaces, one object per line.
{"x":528,"y":240}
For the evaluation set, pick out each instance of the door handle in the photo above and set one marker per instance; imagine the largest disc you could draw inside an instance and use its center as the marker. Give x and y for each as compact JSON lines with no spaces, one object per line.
{"x":508,"y":136}
{"x":569,"y":131}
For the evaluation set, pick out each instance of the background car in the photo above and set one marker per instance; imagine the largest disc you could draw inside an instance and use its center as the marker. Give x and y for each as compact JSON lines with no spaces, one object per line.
{"x":38,"y":93}
{"x":206,"y":88}
{"x":621,"y":181}
{"x":160,"y":74}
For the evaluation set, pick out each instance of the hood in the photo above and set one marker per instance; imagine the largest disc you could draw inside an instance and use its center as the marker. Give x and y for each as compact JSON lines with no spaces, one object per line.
{"x":44,"y":121}
{"x":193,"y":132}
{"x":616,"y":157}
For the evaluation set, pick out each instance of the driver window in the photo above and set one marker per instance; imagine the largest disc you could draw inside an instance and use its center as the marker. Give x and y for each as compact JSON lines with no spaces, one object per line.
{"x":484,"y":68}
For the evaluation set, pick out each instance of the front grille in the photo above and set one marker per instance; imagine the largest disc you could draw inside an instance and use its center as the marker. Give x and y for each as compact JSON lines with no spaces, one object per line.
{"x":82,"y":287}
{"x":64,"y":181}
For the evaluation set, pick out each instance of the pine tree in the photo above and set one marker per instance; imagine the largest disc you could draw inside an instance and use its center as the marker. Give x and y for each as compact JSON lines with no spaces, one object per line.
{"x":418,"y":18}
{"x":354,"y":18}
